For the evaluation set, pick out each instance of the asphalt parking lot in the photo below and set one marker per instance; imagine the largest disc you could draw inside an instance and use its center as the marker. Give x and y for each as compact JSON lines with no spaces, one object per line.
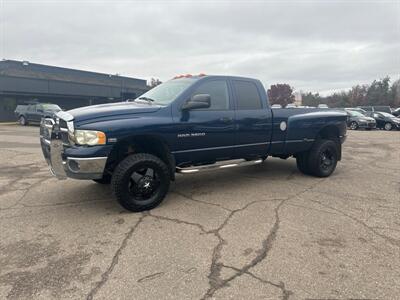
{"x":259,"y":232}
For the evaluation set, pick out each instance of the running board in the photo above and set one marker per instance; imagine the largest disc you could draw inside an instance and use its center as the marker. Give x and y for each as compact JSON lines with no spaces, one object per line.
{"x":216,"y":166}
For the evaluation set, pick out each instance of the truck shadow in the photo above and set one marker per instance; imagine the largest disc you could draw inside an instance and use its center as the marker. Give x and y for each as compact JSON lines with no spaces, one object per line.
{"x":271,"y":172}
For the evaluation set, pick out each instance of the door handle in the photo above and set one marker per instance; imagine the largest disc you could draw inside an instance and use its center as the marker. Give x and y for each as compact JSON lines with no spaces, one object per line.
{"x":226,"y":120}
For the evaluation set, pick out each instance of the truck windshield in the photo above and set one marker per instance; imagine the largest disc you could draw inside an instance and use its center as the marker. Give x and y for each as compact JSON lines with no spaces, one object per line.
{"x":167,"y":92}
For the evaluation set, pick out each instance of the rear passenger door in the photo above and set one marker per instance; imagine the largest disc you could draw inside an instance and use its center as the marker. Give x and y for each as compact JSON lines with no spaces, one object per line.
{"x":37,"y":116}
{"x":253,"y":119}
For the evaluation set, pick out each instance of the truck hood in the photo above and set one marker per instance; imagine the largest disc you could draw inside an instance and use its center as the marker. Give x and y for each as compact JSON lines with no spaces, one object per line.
{"x":111,"y":110}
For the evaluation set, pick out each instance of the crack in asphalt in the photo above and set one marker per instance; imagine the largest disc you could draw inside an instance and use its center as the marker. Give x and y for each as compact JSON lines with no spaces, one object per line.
{"x":191,"y":198}
{"x":215,"y":281}
{"x":312,"y":208}
{"x":281,"y":285}
{"x":390,"y":240}
{"x":26,"y":190}
{"x":106,"y":275}
{"x":178,"y":221}
{"x":67,"y":203}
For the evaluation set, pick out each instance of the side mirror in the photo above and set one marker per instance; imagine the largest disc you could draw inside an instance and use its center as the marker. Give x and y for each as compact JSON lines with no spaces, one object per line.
{"x":197,"y":101}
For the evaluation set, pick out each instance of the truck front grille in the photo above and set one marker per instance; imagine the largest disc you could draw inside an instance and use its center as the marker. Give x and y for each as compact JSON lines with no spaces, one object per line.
{"x":46,"y":128}
{"x":64,"y":132}
{"x":63,"y":123}
{"x":55,"y":129}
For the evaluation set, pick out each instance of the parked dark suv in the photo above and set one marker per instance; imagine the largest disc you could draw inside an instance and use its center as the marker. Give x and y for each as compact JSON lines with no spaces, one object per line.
{"x":33,"y":113}
{"x":356,"y":120}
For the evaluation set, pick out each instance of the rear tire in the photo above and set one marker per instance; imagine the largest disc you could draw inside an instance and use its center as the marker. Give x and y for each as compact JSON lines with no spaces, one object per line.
{"x":22,"y":121}
{"x":323,"y":158}
{"x":140,"y":182}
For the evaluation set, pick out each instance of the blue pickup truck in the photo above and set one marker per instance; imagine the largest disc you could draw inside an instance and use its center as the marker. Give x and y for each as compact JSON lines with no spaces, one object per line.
{"x":186,"y":125}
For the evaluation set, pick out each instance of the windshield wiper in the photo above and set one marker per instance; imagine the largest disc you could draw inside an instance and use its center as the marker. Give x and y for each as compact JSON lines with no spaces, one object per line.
{"x":146,"y":98}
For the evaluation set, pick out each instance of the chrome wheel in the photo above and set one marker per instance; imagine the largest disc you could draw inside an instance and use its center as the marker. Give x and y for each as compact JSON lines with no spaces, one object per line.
{"x":388,"y":126}
{"x":22,"y":120}
{"x":353,"y":125}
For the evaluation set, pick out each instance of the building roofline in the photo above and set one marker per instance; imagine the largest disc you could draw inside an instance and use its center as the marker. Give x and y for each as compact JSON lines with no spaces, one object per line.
{"x":23,"y":69}
{"x":23,"y":62}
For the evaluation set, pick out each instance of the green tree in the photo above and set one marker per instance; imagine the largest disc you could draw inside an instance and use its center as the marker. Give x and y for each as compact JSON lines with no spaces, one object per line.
{"x":378,"y":92}
{"x":395,"y":94}
{"x":280,"y":93}
{"x":340,"y":99}
{"x":358,"y":95}
{"x":310,"y":99}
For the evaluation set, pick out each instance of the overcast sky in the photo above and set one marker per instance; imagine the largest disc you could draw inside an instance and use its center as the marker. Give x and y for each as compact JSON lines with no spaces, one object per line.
{"x":314,"y":46}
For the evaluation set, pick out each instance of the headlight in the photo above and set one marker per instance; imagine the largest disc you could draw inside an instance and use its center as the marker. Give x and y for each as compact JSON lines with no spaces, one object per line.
{"x":90,"y":137}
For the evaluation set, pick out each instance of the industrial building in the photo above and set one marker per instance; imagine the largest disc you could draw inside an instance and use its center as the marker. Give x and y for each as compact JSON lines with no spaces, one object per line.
{"x":22,"y":82}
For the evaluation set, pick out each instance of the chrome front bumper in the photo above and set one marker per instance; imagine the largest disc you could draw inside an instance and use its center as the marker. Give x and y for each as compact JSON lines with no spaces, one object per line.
{"x":53,"y":141}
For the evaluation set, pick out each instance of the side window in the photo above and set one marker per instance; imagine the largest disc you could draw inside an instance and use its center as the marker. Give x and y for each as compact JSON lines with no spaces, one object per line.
{"x":247,"y":95}
{"x":31,"y":108}
{"x":218,"y":91}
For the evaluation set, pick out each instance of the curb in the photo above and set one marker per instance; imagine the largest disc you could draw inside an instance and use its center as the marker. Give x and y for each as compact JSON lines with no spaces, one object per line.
{"x":8,"y":123}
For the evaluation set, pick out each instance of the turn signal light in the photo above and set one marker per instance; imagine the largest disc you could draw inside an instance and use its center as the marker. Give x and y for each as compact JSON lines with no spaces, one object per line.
{"x":102,"y":138}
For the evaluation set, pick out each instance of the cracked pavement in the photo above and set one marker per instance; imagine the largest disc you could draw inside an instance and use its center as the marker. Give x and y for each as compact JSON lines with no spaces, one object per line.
{"x":259,"y":232}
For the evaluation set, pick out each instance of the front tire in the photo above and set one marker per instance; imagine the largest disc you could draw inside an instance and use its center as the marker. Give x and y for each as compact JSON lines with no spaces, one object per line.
{"x":388,"y":126}
{"x":323,"y":158}
{"x":140,"y":182}
{"x":22,"y":121}
{"x":353,"y":125}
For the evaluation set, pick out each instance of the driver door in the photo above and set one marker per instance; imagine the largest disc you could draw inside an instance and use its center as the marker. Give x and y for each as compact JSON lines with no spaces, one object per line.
{"x":30,"y":112}
{"x":206,"y":134}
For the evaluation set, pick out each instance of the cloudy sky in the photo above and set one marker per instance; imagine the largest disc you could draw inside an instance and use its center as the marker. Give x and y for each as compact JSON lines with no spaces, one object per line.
{"x":312,"y":45}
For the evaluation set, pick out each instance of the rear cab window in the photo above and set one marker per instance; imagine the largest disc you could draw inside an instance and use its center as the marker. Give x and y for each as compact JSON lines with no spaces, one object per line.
{"x":247,"y":95}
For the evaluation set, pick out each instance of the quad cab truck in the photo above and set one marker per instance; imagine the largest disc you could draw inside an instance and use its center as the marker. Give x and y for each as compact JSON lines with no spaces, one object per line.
{"x":186,"y":125}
